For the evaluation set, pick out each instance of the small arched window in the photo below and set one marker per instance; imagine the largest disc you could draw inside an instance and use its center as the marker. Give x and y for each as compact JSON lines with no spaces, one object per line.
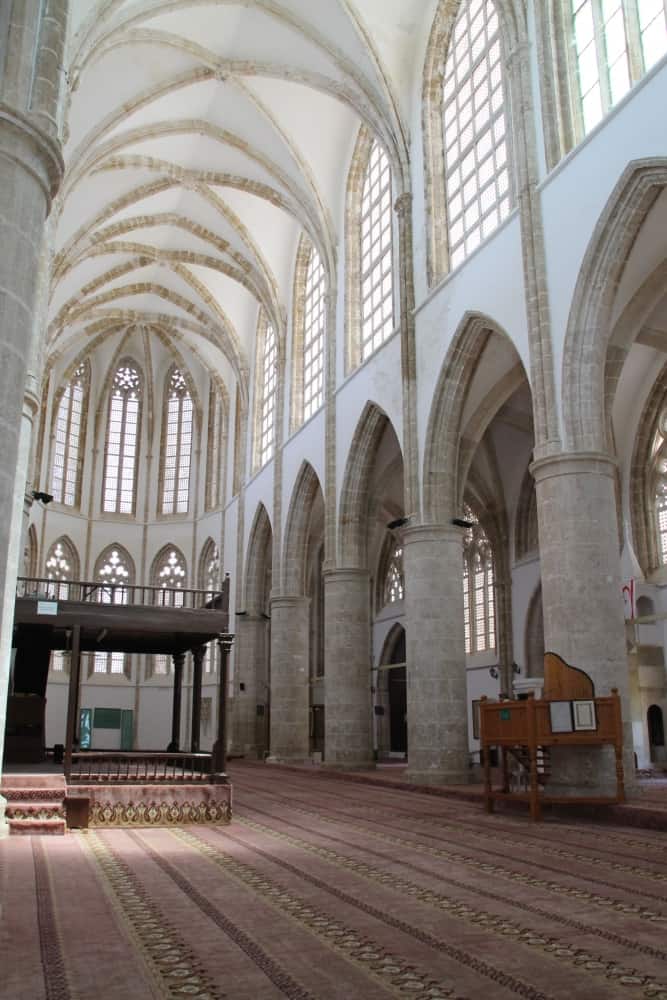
{"x":209,"y":580}
{"x":266,"y":392}
{"x":114,"y":572}
{"x":377,"y":255}
{"x":170,"y":575}
{"x":479,"y":600}
{"x":176,"y":444}
{"x":70,"y":433}
{"x":615,"y":42}
{"x":477,"y":171}
{"x":122,"y":441}
{"x":62,"y":566}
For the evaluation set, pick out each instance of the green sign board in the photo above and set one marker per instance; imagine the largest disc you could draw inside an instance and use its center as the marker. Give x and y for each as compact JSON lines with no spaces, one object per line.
{"x":505,"y":715}
{"x":106,"y":718}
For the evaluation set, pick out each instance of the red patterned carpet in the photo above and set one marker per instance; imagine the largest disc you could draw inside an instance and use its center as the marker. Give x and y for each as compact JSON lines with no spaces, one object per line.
{"x":323,"y":888}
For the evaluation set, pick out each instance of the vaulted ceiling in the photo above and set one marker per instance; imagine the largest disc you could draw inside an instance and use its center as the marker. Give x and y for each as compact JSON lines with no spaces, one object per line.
{"x":202,"y":138}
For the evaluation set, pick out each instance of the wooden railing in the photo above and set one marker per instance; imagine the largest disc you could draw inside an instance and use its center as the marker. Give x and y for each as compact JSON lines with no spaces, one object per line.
{"x":123,"y":594}
{"x":118,"y":767}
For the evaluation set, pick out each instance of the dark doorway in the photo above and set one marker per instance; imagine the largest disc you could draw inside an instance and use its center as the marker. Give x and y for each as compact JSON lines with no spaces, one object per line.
{"x":656,"y":731}
{"x":398,"y":705}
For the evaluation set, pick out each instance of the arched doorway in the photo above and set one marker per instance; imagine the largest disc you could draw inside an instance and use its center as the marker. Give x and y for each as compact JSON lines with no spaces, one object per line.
{"x":392,"y":696}
{"x":656,"y":733}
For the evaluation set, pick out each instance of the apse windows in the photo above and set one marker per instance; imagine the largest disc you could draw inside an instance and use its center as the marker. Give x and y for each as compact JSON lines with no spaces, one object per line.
{"x":122,"y":441}
{"x":62,"y":565}
{"x":176,"y":444}
{"x":267,"y":388}
{"x":313,"y":336}
{"x":69,"y":438}
{"x":170,"y":575}
{"x":215,"y":448}
{"x":377,"y":264}
{"x":209,"y":581}
{"x":477,"y":170}
{"x":615,"y":43}
{"x":479,"y":601}
{"x":114,"y":572}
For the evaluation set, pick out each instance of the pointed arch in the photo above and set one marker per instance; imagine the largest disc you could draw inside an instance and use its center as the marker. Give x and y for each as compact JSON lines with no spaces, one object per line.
{"x":395,"y":636}
{"x":62,"y":566}
{"x":177,"y":435}
{"x":442,"y":486}
{"x":209,"y":571}
{"x":169,"y":571}
{"x":122,"y":438}
{"x":643,"y":479}
{"x":31,"y":553}
{"x":309,"y":331}
{"x":354,"y":495}
{"x":589,"y":328}
{"x":306,"y":489}
{"x":115,"y":565}
{"x":69,"y":422}
{"x":389,"y":577}
{"x":258,"y":562}
{"x":526,"y":540}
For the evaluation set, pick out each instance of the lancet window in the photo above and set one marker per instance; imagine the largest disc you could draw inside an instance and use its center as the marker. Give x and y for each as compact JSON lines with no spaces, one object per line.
{"x":69,"y":438}
{"x":479,"y":601}
{"x":122,"y":441}
{"x":377,"y":258}
{"x":267,"y":387}
{"x":176,"y":444}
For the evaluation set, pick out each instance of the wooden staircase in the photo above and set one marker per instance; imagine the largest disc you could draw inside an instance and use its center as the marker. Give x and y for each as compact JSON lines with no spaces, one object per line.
{"x":519,"y":759}
{"x":35,"y":804}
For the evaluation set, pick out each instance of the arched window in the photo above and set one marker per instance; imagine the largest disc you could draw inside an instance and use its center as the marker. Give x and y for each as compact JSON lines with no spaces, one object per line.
{"x":170,"y":574}
{"x":216,"y":447}
{"x":61,"y":566}
{"x":659,"y":476}
{"x":209,"y":579}
{"x":176,"y":444}
{"x":314,"y":324}
{"x":394,"y":581}
{"x":114,"y":571}
{"x":70,"y":433}
{"x":615,"y":42}
{"x":122,"y":441}
{"x":377,"y":258}
{"x":477,"y":172}
{"x":479,"y":600}
{"x":266,"y":387}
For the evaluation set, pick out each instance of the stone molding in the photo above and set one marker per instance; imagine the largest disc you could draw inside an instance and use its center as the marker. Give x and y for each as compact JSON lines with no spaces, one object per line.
{"x":35,"y":151}
{"x":574,"y":464}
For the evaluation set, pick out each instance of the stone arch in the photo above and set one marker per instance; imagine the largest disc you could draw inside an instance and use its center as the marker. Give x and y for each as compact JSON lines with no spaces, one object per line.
{"x":305,"y":491}
{"x":443,"y":488}
{"x":159,"y":560}
{"x":30,"y":553}
{"x":125,"y":556}
{"x":526,"y":539}
{"x":392,"y":642}
{"x":589,"y":329}
{"x":437,"y":263}
{"x":71,"y":554}
{"x":354,"y":496}
{"x":209,"y":552}
{"x":642,"y":500}
{"x":534,"y":639}
{"x":258,"y":562}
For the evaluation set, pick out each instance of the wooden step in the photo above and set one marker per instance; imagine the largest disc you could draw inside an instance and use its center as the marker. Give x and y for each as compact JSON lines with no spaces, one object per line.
{"x":36,"y":827}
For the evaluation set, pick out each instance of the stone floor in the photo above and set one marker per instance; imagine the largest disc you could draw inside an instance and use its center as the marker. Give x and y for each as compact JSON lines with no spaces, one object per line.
{"x":337,"y":889}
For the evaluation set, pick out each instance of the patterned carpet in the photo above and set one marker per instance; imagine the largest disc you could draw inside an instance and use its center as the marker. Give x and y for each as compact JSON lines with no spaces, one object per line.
{"x":322,"y":889}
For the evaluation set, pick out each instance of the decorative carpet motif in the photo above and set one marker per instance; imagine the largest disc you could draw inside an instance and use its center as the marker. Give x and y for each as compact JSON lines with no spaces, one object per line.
{"x":392,"y":971}
{"x":334,"y":890}
{"x":174,"y":967}
{"x":121,"y":814}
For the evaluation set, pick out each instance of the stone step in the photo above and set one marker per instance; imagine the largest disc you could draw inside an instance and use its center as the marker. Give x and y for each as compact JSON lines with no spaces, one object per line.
{"x":36,"y":827}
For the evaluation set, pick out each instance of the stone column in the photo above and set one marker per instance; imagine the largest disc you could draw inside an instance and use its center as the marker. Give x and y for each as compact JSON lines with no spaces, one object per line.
{"x":30,"y":172}
{"x":198,"y":654}
{"x":581,"y":592}
{"x":251,"y":689}
{"x":175,"y":744}
{"x":290,"y":692}
{"x":436,"y":673}
{"x":348,"y":735}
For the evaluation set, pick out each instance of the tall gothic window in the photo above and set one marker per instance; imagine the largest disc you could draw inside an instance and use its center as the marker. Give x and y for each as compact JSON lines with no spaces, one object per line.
{"x":615,"y":43}
{"x":477,"y":174}
{"x":659,"y":477}
{"x":215,"y":448}
{"x":176,"y":444}
{"x":170,"y":574}
{"x":394,"y":582}
{"x":70,"y":438}
{"x":377,"y":259}
{"x":314,"y":325}
{"x":114,"y":571}
{"x":267,"y":386}
{"x":122,"y":442}
{"x":479,"y":596}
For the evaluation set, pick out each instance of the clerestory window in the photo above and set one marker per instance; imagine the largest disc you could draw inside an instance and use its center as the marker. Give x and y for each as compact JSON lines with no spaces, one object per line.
{"x":479,"y":600}
{"x":267,"y":390}
{"x":69,"y":438}
{"x":122,"y":441}
{"x":377,"y":256}
{"x":314,"y":325}
{"x":176,"y":444}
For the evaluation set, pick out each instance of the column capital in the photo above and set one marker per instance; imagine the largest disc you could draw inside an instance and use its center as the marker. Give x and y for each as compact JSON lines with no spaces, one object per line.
{"x":225,"y":641}
{"x":288,"y":600}
{"x":428,"y":533}
{"x":574,"y":463}
{"x":24,"y":143}
{"x":352,"y":573}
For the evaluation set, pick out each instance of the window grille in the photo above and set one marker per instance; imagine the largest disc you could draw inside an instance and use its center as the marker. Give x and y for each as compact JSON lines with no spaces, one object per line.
{"x":377,"y":263}
{"x":177,"y":445}
{"x":479,"y":601}
{"x":269,"y":385}
{"x":69,"y":439}
{"x":313,"y":336}
{"x":122,"y":444}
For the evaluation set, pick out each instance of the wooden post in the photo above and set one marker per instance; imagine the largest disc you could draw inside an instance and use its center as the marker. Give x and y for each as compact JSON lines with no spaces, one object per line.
{"x":532,"y":750}
{"x":485,"y":749}
{"x":198,"y":654}
{"x":618,"y":746}
{"x":73,"y":698}
{"x":220,"y":747}
{"x":179,"y":660}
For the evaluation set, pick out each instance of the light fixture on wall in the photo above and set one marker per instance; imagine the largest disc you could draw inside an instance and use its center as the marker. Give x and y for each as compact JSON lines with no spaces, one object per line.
{"x":240,"y":614}
{"x":460,"y":522}
{"x":42,"y":497}
{"x":516,"y":669}
{"x":399,"y":522}
{"x":494,"y":672}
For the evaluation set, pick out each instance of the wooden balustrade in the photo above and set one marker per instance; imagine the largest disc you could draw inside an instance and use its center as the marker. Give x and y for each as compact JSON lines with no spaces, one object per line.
{"x":118,"y":767}
{"x":122,"y":594}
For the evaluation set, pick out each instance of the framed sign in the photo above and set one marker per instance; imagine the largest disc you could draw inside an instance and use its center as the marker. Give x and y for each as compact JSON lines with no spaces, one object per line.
{"x":560,"y":714}
{"x":584,"y":716}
